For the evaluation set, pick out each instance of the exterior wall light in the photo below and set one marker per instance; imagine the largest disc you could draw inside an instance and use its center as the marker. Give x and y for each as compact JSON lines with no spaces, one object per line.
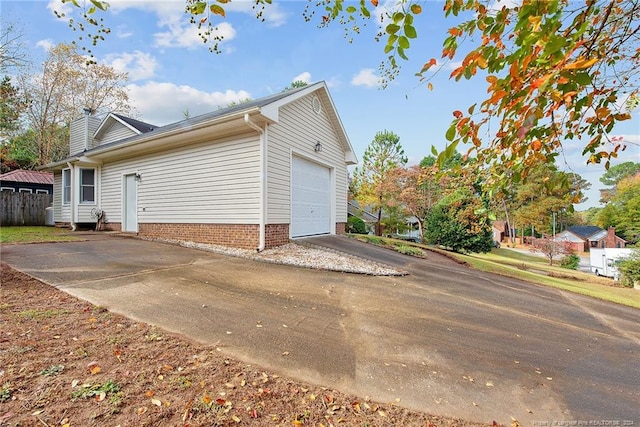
{"x":318,"y":147}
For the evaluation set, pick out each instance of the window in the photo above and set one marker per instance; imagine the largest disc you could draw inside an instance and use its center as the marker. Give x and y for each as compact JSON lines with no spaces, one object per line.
{"x":87,"y":185}
{"x":25,"y":190}
{"x":8,"y":189}
{"x":66,"y":186}
{"x":39,"y":191}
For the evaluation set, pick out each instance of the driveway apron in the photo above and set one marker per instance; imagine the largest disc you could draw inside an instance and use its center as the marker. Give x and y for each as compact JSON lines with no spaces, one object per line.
{"x":444,"y":339}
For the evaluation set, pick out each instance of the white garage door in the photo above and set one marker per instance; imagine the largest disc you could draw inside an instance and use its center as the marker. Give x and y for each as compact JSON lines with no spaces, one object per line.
{"x":310,"y":198}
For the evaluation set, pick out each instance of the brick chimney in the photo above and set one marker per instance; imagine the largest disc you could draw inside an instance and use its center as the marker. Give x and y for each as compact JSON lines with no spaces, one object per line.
{"x":610,"y":241}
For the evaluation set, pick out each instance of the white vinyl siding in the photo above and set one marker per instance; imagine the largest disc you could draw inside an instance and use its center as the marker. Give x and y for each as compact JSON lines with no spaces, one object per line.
{"x":77,"y":134}
{"x":298,"y":130}
{"x":61,"y":212}
{"x":213,"y":182}
{"x":117,"y":131}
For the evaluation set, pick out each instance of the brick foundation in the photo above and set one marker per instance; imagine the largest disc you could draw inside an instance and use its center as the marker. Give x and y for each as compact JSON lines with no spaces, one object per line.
{"x":276,"y":235}
{"x":245,"y":236}
{"x":341,"y":227}
{"x":111,"y":226}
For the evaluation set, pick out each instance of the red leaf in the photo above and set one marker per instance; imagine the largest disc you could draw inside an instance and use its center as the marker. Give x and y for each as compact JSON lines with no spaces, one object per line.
{"x":457,"y":114}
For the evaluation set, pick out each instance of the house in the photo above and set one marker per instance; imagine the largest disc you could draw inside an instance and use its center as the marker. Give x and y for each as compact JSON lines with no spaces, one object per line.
{"x":369,"y":219}
{"x":584,"y":237}
{"x":27,"y":181}
{"x":252,"y":176}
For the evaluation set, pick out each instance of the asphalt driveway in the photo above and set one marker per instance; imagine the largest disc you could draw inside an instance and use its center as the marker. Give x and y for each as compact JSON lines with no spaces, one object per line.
{"x":444,"y":339}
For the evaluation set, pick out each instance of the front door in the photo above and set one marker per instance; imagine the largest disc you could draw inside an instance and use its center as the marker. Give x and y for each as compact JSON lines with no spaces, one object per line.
{"x":130,"y":204}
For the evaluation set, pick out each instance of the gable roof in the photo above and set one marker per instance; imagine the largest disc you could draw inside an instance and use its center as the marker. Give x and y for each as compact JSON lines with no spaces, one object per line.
{"x":134,"y":125}
{"x":584,"y":231}
{"x":261,"y":111}
{"x":33,"y":177}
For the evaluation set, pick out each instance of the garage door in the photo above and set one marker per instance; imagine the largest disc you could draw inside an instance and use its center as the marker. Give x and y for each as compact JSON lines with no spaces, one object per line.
{"x":310,"y":198}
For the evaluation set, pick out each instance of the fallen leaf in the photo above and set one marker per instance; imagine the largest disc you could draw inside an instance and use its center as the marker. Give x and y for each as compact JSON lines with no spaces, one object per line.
{"x":141,"y":410}
{"x":156,"y":402}
{"x":221,"y":402}
{"x":236,"y":418}
{"x":74,"y":383}
{"x":95,"y":370}
{"x":150,"y":393}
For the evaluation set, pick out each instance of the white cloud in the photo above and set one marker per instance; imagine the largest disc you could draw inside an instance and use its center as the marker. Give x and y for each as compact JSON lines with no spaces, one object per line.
{"x":59,"y":7}
{"x":164,"y":103}
{"x":138,"y":64}
{"x":184,"y":34}
{"x":304,"y":77}
{"x":45,"y":44}
{"x":122,"y":32}
{"x":366,"y":77}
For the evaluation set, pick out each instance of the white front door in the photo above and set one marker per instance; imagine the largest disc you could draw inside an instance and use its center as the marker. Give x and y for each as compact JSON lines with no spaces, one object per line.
{"x":310,"y":198}
{"x":130,"y":204}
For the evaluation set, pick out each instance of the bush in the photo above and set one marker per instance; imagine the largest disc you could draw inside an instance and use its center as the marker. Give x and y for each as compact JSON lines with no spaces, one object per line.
{"x":571,"y":261}
{"x":356,"y":225}
{"x":630,"y":270}
{"x":409,"y":250}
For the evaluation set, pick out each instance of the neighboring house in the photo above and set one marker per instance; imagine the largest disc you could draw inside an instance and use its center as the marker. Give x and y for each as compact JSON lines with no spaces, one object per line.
{"x":354,"y":209}
{"x":584,"y":237}
{"x":26,"y":181}
{"x":252,"y":176}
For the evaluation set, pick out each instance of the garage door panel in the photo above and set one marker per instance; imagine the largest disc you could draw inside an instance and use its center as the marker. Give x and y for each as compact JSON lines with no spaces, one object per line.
{"x":310,"y":198}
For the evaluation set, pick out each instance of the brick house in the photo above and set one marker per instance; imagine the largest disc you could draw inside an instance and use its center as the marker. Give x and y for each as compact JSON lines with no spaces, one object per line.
{"x":584,"y":237}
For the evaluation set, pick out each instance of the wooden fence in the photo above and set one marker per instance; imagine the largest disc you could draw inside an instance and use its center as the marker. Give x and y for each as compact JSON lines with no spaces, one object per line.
{"x":23,"y":208}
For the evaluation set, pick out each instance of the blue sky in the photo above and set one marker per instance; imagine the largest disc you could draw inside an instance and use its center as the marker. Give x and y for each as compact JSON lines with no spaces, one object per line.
{"x":171,"y":71}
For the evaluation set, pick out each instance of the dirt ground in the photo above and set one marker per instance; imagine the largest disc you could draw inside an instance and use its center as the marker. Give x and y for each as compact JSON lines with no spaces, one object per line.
{"x":65,"y":362}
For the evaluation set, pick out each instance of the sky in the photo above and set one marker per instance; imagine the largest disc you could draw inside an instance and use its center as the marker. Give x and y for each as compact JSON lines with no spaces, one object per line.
{"x":171,"y":71}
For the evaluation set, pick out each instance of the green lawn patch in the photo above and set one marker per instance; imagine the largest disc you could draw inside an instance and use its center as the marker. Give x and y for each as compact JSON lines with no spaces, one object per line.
{"x":35,"y":235}
{"x":530,"y":268}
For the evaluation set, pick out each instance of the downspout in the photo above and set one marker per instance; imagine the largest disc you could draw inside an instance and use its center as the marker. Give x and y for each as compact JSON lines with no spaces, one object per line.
{"x":72,"y":176}
{"x":263,"y":178}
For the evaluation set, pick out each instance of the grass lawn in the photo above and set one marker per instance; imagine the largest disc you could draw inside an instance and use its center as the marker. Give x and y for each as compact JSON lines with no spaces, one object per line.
{"x":35,"y":235}
{"x":530,"y":268}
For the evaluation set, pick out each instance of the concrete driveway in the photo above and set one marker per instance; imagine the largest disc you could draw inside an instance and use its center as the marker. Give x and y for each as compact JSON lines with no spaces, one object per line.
{"x":444,"y":339}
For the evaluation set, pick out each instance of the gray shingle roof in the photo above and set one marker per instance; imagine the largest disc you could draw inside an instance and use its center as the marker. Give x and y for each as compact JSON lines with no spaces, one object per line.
{"x":584,"y":231}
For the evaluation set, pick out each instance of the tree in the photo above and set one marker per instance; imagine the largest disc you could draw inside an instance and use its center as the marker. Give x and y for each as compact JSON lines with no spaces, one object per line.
{"x":546,"y":191}
{"x":12,"y":50}
{"x":11,"y":106}
{"x":383,"y":154}
{"x":552,"y":248}
{"x":58,"y":93}
{"x":458,"y":222}
{"x":613,"y":176}
{"x":555,"y":70}
{"x":295,"y":85}
{"x":416,"y":191}
{"x":623,"y":209}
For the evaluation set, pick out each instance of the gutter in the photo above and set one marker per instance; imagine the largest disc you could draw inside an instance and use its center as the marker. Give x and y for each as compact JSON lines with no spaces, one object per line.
{"x":263,"y":178}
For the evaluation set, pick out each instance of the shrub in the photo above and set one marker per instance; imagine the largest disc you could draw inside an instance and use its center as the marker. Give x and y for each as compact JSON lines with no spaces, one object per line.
{"x":630,"y":270}
{"x":409,"y":250}
{"x":571,"y":261}
{"x":356,"y":225}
